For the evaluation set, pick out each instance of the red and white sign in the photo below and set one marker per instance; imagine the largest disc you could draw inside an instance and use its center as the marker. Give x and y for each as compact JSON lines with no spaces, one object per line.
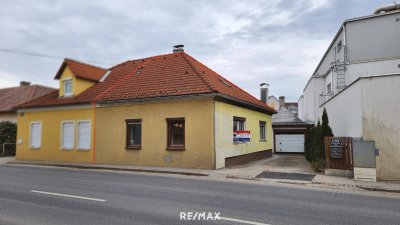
{"x":241,"y":136}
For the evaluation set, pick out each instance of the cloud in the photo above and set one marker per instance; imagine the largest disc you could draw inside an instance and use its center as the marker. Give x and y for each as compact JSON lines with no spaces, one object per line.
{"x":248,"y":42}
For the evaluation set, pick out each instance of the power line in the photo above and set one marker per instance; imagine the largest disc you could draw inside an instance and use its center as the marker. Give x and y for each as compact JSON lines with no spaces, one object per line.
{"x":4,"y":50}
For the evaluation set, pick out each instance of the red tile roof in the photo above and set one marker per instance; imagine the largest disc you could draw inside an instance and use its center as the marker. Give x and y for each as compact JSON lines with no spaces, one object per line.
{"x":176,"y":74}
{"x":81,"y":70}
{"x":10,"y":98}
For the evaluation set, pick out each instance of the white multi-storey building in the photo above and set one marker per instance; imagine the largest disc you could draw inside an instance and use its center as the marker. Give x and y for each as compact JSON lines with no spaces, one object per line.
{"x":358,"y":82}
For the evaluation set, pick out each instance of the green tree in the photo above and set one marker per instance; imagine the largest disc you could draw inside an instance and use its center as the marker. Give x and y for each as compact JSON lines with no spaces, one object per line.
{"x":315,"y":146}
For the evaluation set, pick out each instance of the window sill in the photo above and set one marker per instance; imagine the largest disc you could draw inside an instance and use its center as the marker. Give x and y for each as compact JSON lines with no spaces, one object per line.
{"x":67,"y":149}
{"x":263,"y":140}
{"x":34,"y":148}
{"x":138,"y":147}
{"x":176,"y":148}
{"x":83,"y":150}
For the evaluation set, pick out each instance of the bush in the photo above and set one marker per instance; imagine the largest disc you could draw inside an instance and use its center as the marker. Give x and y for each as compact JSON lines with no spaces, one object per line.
{"x":8,"y":134}
{"x":314,"y":146}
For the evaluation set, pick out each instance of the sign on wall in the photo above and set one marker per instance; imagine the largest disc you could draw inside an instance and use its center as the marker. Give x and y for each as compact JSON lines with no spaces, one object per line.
{"x":241,"y":136}
{"x":336,"y":148}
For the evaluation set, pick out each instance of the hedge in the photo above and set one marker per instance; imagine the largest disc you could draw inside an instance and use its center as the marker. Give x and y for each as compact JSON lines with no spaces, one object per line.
{"x":8,"y":134}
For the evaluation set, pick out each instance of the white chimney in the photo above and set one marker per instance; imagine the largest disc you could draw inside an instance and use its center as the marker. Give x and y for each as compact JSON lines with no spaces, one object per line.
{"x":264,"y":92}
{"x":281,"y":101}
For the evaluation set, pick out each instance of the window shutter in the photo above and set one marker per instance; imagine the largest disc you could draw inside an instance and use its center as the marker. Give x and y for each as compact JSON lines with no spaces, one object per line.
{"x":36,"y":135}
{"x":84,"y":135}
{"x":68,"y":135}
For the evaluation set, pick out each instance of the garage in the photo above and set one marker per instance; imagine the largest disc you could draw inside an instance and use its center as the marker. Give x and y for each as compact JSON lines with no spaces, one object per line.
{"x":289,"y":132}
{"x":289,"y":143}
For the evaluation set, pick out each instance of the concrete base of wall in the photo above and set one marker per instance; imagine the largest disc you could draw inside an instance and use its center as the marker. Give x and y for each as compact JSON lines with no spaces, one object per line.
{"x":365,"y":174}
{"x":247,"y":158}
{"x":339,"y":173}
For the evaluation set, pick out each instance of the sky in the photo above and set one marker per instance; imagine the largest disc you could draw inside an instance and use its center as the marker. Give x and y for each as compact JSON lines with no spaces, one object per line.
{"x":279,"y":42}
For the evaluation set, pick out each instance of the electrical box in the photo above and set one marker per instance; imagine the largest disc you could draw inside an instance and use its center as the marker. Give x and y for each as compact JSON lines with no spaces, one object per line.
{"x":364,"y":160}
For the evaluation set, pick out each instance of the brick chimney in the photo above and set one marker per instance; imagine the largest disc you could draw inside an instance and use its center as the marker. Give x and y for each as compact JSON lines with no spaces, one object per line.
{"x":178,"y":48}
{"x":281,"y":101}
{"x":24,"y":83}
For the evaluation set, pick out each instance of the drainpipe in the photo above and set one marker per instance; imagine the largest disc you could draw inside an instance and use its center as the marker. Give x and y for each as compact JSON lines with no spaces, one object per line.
{"x":344,"y":44}
{"x":94,"y":131}
{"x":332,"y":85}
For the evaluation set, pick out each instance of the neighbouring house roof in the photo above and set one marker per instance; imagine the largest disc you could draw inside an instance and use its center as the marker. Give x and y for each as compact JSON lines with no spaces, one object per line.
{"x":176,"y":74}
{"x":81,"y":70}
{"x":286,"y":118}
{"x":291,"y":104}
{"x":11,"y":97}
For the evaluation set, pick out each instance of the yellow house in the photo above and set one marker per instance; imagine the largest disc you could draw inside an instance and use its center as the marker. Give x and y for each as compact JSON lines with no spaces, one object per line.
{"x":166,"y":110}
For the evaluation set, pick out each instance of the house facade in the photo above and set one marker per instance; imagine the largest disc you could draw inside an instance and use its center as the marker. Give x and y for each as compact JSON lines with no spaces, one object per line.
{"x":358,"y":81}
{"x":167,"y":110}
{"x":273,"y":102}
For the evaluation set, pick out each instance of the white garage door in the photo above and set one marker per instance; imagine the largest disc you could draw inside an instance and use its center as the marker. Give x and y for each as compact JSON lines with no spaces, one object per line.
{"x":289,"y":142}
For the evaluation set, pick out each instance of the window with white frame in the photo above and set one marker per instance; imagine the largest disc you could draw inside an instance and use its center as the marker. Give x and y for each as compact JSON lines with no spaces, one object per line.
{"x":35,"y":134}
{"x":84,"y":133}
{"x":67,"y":135}
{"x":67,"y":87}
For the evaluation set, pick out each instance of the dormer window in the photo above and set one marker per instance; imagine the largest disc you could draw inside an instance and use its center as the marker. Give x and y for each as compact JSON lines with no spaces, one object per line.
{"x":67,"y":87}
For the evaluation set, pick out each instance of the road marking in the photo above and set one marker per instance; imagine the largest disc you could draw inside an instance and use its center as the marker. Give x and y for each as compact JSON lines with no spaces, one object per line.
{"x":242,"y":221}
{"x":68,"y":196}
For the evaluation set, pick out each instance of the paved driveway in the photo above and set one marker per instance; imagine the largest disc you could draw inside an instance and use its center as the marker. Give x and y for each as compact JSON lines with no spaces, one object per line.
{"x":285,"y":163}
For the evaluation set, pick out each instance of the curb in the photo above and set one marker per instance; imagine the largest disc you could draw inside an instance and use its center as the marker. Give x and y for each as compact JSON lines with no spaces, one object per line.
{"x":335,"y":184}
{"x":369,"y":188}
{"x":109,"y":168}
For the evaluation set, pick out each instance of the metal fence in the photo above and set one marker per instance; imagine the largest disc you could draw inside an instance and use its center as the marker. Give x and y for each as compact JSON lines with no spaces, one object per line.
{"x":8,"y":149}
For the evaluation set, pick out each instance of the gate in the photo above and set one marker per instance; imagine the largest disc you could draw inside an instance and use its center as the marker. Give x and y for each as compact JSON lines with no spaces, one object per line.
{"x":338,"y":153}
{"x":7,"y":149}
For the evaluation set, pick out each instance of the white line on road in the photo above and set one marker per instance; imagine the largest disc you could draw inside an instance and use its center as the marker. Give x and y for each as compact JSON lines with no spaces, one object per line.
{"x":69,"y":196}
{"x":242,"y":221}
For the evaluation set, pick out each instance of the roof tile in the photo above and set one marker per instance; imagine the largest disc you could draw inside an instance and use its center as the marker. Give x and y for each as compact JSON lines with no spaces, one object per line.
{"x":10,"y":98}
{"x":173,"y":74}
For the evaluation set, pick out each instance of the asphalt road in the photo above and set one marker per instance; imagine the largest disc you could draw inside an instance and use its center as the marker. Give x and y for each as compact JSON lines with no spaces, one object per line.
{"x":39,"y":195}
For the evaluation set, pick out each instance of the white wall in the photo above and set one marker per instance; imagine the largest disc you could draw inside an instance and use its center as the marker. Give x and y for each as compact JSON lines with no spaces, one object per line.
{"x":311,"y":99}
{"x":357,"y":70}
{"x":370,"y":109}
{"x":300,"y":109}
{"x":273,"y":102}
{"x":345,"y":112}
{"x":11,"y":117}
{"x":381,"y":122}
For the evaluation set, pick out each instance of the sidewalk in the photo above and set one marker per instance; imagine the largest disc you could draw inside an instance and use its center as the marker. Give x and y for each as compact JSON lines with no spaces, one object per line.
{"x":247,"y":172}
{"x":4,"y":160}
{"x":147,"y":169}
